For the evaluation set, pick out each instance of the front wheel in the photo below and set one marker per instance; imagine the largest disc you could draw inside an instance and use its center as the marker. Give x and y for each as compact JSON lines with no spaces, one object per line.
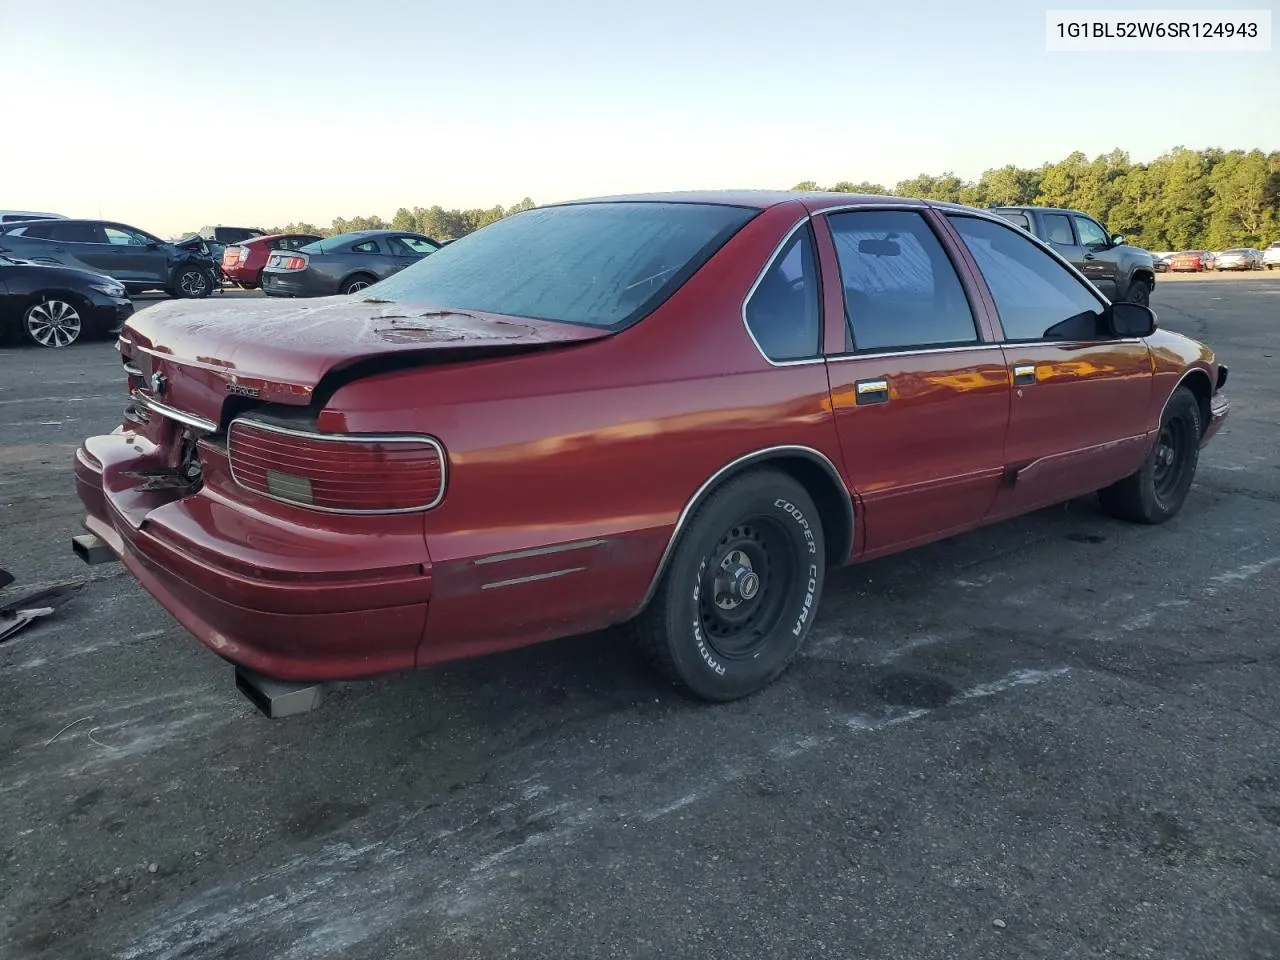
{"x":52,"y":322}
{"x":1139,"y":292}
{"x":1156,"y":492}
{"x":741,"y":590}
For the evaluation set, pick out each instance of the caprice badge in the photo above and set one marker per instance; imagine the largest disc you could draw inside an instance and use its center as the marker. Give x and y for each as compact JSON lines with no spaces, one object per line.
{"x":242,"y":390}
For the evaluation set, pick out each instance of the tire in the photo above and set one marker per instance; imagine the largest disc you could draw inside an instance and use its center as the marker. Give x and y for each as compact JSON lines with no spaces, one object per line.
{"x":356,"y":284}
{"x":1139,"y":292}
{"x":740,"y":592}
{"x":53,"y":321}
{"x":192,"y":282}
{"x":1156,"y":492}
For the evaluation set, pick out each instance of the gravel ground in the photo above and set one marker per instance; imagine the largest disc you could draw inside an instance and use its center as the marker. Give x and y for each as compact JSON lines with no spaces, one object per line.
{"x":1057,"y":737}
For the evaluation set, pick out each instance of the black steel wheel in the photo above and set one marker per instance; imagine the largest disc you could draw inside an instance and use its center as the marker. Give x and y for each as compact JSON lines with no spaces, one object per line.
{"x":1157,"y":490}
{"x":1139,"y":292}
{"x":741,"y":589}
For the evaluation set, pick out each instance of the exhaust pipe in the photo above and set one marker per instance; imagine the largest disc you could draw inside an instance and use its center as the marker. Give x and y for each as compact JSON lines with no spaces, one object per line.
{"x":278,"y":698}
{"x":93,"y":550}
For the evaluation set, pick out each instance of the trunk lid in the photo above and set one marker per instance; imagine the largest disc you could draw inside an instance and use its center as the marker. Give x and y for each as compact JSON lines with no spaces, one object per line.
{"x":192,"y":355}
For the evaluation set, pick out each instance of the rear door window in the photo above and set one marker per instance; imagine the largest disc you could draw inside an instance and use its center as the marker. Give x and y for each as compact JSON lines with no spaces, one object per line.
{"x":70,"y":232}
{"x":367,"y":246}
{"x":901,"y":290}
{"x":1057,"y":229}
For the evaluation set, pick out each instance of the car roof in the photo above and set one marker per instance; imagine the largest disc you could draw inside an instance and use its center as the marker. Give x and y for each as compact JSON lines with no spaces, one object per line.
{"x":755,"y":199}
{"x":365,"y":233}
{"x":1032,"y":206}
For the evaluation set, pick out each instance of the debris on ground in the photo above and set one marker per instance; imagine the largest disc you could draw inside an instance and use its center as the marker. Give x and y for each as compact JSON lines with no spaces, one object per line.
{"x":16,"y":614}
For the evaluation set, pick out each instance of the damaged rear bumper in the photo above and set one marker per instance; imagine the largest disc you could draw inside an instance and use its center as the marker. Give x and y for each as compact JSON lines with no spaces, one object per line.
{"x":283,"y":599}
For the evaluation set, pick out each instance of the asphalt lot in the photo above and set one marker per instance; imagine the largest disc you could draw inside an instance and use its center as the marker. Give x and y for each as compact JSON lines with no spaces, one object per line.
{"x":1058,"y":737}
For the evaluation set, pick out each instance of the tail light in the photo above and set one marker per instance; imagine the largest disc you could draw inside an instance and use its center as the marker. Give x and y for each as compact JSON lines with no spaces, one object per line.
{"x":244,"y":254}
{"x":286,"y":262}
{"x":340,"y":473}
{"x":232,"y":255}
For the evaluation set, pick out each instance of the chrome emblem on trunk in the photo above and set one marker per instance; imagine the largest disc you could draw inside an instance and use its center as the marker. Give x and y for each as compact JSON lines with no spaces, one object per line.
{"x":158,"y":383}
{"x":241,"y":390}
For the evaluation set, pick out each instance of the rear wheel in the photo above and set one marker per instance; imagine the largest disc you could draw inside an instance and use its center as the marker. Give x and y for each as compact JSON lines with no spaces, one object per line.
{"x":192,"y":282}
{"x":356,"y":284}
{"x":53,"y":322}
{"x":739,"y":595}
{"x":1156,"y":491}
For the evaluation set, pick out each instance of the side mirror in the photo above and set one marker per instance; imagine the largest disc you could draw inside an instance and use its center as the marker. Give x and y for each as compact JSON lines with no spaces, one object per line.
{"x":1117,"y":240}
{"x":152,"y":245}
{"x":1131,"y":319}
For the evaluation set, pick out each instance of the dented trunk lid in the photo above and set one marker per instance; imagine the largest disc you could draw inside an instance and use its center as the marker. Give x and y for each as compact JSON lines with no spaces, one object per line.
{"x":191,"y":356}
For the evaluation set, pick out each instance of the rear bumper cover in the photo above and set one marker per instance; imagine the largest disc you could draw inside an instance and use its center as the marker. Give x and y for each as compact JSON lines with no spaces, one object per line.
{"x":297,"y":608}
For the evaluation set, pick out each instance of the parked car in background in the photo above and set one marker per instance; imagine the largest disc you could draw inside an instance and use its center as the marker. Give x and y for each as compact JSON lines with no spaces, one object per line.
{"x":1271,"y":256}
{"x":218,"y":238}
{"x":1120,"y":271}
{"x":137,"y":259}
{"x":1238,"y":258}
{"x":56,"y":306}
{"x":1190,"y":261}
{"x":343,"y":264}
{"x":242,"y":262}
{"x":18,"y":216}
{"x":678,"y":410}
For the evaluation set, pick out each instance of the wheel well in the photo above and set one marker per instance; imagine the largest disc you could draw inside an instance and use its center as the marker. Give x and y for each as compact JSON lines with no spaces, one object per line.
{"x":1197,"y":381}
{"x":835,"y":509}
{"x":1146,"y":275}
{"x":353,"y":274}
{"x":70,"y":295}
{"x":812,"y":470}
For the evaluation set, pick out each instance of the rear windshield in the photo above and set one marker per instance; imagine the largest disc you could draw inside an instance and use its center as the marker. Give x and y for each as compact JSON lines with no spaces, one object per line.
{"x":325,"y":244}
{"x":596,"y":264}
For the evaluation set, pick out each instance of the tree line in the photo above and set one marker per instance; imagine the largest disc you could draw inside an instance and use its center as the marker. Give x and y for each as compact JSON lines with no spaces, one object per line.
{"x":435,"y":222}
{"x":1183,"y":200}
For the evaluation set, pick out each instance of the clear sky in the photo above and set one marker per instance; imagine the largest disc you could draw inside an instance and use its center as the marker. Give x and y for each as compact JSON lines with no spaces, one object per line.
{"x":172,"y":114}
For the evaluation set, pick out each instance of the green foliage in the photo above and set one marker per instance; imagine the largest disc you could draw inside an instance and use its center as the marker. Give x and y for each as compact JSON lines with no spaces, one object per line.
{"x":435,"y":222}
{"x":1182,"y":200}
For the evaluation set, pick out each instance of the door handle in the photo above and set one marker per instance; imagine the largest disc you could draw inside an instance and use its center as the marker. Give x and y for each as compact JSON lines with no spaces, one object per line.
{"x":871,"y":391}
{"x":1024,"y":375}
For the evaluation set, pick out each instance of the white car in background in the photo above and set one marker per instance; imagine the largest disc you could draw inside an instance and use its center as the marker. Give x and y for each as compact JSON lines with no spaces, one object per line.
{"x":1271,"y":256}
{"x":18,"y":216}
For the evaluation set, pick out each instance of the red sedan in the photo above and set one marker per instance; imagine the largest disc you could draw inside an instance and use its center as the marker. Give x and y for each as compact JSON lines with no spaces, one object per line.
{"x":242,"y":262}
{"x":1189,"y":261}
{"x":678,"y":410}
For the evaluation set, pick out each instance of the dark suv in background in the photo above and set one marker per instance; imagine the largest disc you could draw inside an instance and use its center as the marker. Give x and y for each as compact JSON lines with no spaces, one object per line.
{"x":134,"y":257}
{"x":1119,"y":271}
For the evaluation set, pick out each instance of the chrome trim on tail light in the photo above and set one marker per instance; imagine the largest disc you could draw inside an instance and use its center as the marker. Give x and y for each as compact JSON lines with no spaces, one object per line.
{"x":251,"y":423}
